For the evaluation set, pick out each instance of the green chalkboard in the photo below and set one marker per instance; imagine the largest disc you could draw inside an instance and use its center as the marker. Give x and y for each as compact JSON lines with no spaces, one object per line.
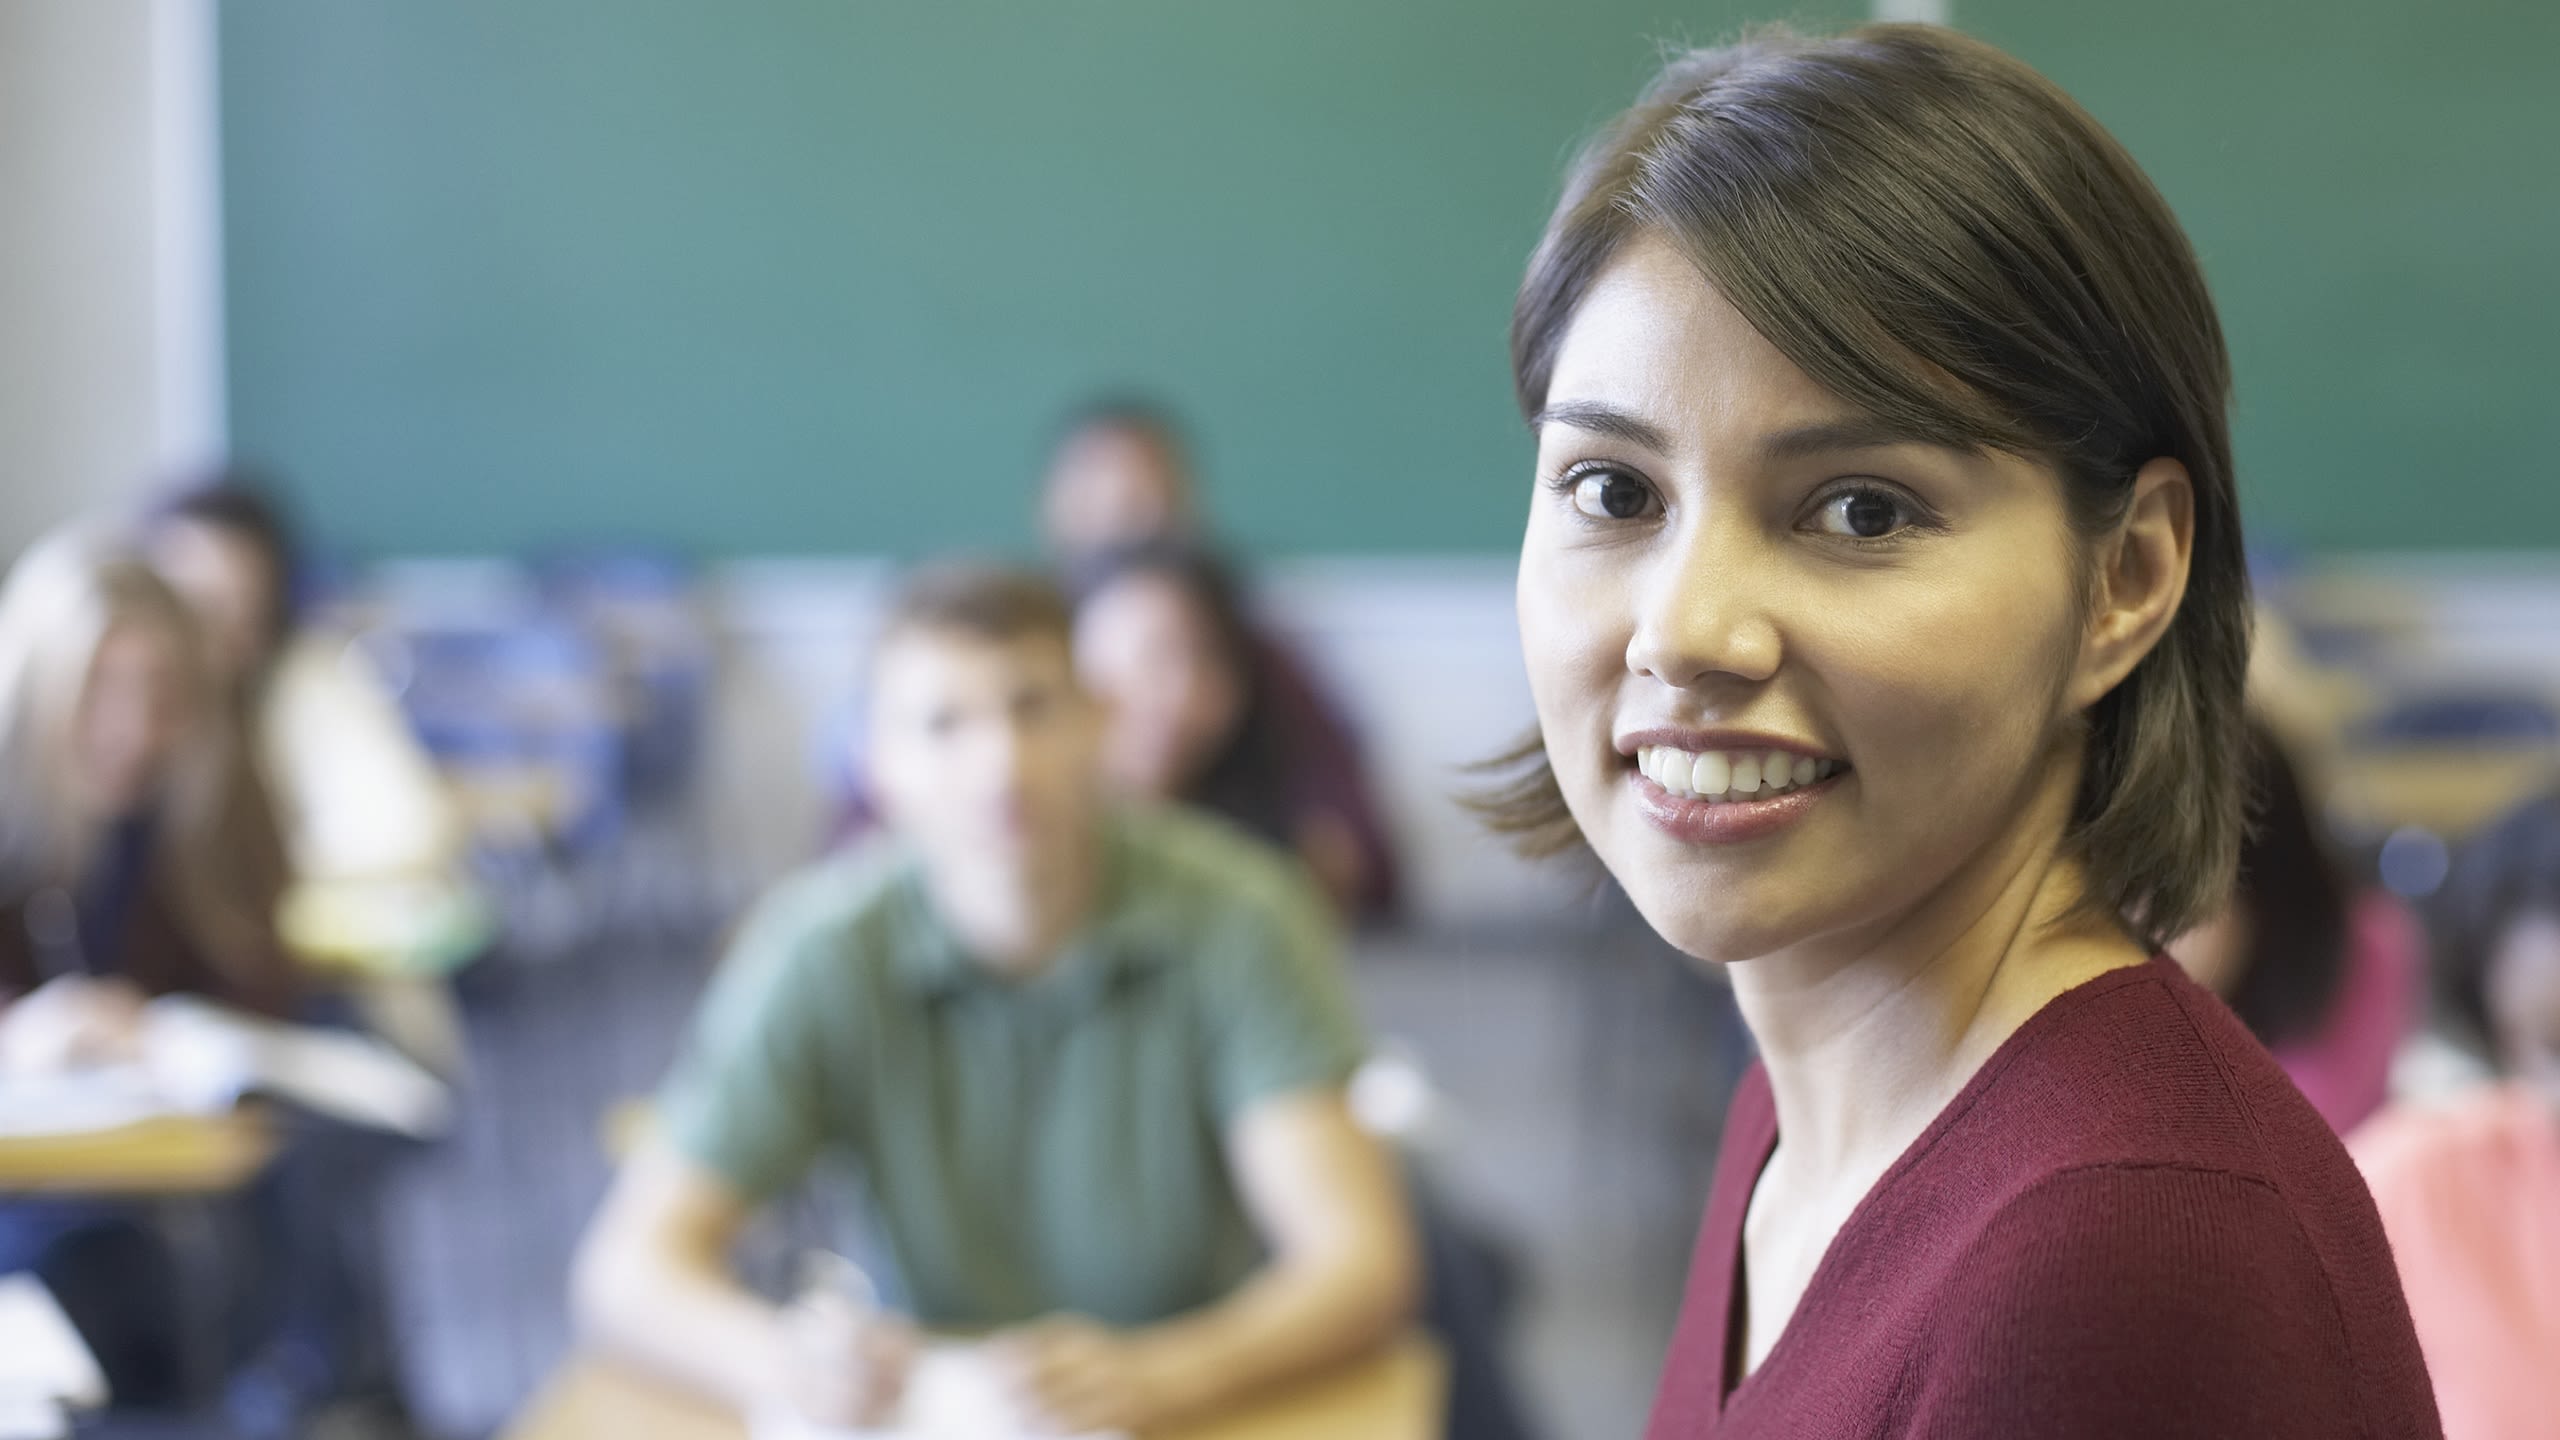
{"x":820,"y":275}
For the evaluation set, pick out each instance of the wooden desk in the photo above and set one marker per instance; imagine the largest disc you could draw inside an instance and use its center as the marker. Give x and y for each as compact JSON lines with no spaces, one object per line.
{"x":169,"y":1158}
{"x":1396,"y":1396}
{"x":181,"y":1171}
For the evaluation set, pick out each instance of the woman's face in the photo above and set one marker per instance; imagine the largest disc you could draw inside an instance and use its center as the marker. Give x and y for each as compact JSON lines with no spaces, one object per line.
{"x":226,"y":579}
{"x":131,"y":714}
{"x":1732,"y":579}
{"x":2524,"y":1000}
{"x":1148,"y":647}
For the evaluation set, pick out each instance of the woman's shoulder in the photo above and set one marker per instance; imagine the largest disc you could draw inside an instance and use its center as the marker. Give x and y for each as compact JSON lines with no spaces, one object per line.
{"x":2220,"y":1307}
{"x":2166,"y":1195}
{"x":2143,"y":1067}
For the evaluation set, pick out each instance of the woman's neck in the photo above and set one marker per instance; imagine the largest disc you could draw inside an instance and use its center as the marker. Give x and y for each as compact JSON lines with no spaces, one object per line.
{"x":1867,"y":1036}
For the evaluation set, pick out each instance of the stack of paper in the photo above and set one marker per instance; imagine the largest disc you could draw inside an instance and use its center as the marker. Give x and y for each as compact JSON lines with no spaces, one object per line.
{"x":199,"y":1058}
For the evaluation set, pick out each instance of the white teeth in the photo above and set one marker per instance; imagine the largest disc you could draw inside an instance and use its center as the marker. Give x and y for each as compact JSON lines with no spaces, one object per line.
{"x":1730,"y":774}
{"x":1710,"y":773}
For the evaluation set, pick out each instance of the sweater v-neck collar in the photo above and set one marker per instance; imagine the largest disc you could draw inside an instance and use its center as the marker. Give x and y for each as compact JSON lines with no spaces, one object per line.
{"x":1755,"y":1108}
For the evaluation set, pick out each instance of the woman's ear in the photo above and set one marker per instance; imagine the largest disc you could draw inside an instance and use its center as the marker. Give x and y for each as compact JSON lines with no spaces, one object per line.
{"x":2140,"y":576}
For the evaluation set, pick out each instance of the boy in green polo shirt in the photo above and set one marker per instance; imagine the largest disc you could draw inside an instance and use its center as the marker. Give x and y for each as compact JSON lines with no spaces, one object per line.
{"x":1088,"y":1062}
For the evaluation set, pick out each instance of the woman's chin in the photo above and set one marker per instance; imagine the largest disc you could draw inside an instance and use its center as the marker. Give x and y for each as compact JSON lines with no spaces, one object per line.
{"x":1714,"y":935}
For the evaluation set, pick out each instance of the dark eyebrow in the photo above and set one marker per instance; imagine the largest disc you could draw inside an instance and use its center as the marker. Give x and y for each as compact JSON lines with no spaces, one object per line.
{"x":1603,"y":420}
{"x":1827,"y":436}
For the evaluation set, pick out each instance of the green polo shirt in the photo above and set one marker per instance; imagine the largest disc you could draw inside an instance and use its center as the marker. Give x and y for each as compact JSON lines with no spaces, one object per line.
{"x":1054,"y":1143}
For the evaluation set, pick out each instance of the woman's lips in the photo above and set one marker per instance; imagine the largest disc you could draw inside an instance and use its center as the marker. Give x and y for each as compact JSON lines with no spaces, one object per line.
{"x":1696,"y":821}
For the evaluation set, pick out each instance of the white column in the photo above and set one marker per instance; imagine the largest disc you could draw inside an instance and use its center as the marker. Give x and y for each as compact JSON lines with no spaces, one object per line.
{"x":186,"y":157}
{"x":110,"y":260}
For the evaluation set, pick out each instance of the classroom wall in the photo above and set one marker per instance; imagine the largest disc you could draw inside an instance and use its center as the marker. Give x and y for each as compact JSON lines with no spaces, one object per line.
{"x":809,"y":276}
{"x":109,"y":346}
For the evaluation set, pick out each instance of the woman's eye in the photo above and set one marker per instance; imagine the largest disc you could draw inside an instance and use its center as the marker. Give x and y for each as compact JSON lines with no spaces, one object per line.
{"x":1611,"y":495}
{"x":1865,"y":514}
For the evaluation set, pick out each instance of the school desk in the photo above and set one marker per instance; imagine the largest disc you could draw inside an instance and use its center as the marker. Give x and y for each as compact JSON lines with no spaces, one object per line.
{"x":1394,"y":1396}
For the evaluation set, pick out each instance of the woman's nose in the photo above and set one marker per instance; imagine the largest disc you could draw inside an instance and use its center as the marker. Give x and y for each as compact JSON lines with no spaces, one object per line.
{"x":1706,"y":611}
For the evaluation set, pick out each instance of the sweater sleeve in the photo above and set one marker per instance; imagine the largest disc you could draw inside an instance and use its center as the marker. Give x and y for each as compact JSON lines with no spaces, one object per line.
{"x":2135,"y":1302}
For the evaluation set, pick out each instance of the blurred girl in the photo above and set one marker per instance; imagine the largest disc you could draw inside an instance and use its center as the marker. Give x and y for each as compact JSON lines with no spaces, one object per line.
{"x":2470,"y":1190}
{"x":1162,"y":636}
{"x":117,"y":883}
{"x":119,"y":876}
{"x":2325,"y":977}
{"x":324,"y":761}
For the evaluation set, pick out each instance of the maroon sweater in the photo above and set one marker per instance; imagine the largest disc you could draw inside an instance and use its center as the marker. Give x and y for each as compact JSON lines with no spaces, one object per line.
{"x":2128,"y":1224}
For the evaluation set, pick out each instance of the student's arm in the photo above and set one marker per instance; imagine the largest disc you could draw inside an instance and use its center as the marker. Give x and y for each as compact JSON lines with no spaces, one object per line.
{"x":740,"y":1120}
{"x":653,"y":1286}
{"x":1342,"y":1278}
{"x":652,"y":1283}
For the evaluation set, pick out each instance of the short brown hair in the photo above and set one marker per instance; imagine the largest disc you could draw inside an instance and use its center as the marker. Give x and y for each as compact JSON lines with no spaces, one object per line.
{"x":983,"y":600}
{"x":1941,"y":237}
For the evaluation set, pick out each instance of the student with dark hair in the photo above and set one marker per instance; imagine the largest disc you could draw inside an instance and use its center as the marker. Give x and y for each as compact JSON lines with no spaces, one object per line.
{"x":1119,"y":474}
{"x":2469,"y":1188}
{"x":118,"y":885}
{"x":325,"y":766}
{"x":1119,"y":502}
{"x":2325,"y":977}
{"x":1162,"y":637}
{"x":1885,"y":612}
{"x":1089,"y":1062}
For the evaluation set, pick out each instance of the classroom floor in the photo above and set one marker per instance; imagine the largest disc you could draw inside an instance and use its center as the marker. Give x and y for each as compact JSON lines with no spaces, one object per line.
{"x":1582,"y":1077}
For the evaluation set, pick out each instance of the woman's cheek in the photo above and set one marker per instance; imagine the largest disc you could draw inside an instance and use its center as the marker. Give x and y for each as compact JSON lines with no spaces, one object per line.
{"x":1944,"y":690}
{"x":1572,"y":635}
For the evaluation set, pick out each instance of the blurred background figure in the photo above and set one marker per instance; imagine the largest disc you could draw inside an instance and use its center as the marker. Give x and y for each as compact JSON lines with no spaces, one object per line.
{"x":1198,"y":717}
{"x":2469,"y":1187}
{"x":1091,"y":1062}
{"x":1119,"y":475}
{"x":127,"y":866}
{"x":121,"y":879}
{"x":322,"y":750}
{"x":2326,"y":972}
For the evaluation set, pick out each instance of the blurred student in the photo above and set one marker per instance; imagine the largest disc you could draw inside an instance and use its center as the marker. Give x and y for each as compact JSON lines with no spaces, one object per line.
{"x":117,"y":884}
{"x":1120,"y":482}
{"x":2469,"y":1189}
{"x":1161,"y":636}
{"x":120,"y":875}
{"x":2327,"y":978}
{"x":1089,"y":1060}
{"x":376,"y":846}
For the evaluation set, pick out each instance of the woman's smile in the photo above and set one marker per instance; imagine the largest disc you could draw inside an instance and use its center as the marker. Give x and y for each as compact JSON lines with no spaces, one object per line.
{"x":1722,"y":788}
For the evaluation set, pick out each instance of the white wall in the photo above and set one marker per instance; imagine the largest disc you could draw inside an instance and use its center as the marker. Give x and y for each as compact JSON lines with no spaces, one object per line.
{"x":110,"y":312}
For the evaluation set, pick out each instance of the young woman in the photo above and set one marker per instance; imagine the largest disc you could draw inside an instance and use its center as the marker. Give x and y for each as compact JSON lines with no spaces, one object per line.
{"x":115,"y":886}
{"x":1884,"y":609}
{"x":325,"y":763}
{"x":1195,"y":717}
{"x":118,"y":879}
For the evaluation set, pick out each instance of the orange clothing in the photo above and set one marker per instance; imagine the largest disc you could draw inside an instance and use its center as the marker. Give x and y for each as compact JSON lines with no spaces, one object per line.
{"x":2470,"y":1196}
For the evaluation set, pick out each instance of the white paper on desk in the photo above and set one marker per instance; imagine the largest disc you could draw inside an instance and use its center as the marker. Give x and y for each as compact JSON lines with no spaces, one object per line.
{"x":44,"y":1365}
{"x":951,"y":1396}
{"x":204,"y":1057}
{"x":79,"y":1102}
